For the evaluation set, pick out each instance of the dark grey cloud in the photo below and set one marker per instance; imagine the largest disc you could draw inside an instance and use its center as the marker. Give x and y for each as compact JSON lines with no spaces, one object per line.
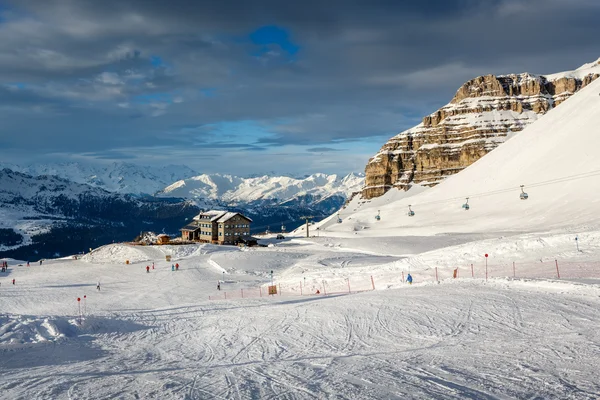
{"x":149,"y":78}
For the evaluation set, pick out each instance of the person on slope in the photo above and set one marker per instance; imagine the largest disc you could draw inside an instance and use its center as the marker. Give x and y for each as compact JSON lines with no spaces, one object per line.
{"x":172,"y":267}
{"x":147,"y":269}
{"x":177,"y":267}
{"x":218,"y":285}
{"x":409,"y":279}
{"x":98,"y":286}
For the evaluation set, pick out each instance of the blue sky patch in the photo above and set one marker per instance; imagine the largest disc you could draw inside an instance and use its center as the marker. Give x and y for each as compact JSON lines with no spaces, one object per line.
{"x":271,"y":34}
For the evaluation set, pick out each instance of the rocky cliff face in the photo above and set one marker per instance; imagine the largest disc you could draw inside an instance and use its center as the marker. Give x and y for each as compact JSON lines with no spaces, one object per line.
{"x":484,"y":112}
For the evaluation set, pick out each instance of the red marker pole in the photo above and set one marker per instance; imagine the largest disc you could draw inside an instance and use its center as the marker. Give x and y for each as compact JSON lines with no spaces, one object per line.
{"x":472,"y":272}
{"x":79,"y":305}
{"x":436,"y":275}
{"x":372,"y":282}
{"x":486,"y":271}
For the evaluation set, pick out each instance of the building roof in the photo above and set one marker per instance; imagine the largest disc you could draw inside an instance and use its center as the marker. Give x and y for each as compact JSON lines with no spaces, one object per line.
{"x":228,"y":215}
{"x":219,"y":215}
{"x":213,"y":214}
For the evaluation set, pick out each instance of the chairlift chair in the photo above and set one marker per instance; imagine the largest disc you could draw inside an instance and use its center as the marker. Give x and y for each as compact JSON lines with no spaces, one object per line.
{"x":411,"y":213}
{"x":466,"y":205}
{"x":523,"y":195}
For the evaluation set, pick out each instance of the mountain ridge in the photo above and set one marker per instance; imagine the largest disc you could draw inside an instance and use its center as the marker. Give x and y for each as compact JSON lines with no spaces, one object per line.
{"x":484,"y":113}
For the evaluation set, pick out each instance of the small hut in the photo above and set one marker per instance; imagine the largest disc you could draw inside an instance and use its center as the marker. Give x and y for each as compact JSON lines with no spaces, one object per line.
{"x":163,"y":239}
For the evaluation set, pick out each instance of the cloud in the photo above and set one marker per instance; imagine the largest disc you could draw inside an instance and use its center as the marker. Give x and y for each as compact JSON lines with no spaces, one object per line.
{"x":249,"y":78}
{"x":321,"y":149}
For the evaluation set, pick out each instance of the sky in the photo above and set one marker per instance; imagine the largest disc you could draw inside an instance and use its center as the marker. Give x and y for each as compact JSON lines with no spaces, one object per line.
{"x":245,"y":88}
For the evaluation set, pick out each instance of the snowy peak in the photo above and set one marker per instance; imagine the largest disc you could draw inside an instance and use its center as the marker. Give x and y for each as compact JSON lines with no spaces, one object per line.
{"x":483,"y":114}
{"x":234,"y":189}
{"x":115,"y":177}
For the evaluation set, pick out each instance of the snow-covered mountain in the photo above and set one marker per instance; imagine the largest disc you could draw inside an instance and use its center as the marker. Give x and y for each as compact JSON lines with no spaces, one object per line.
{"x":235,"y":190}
{"x":484,"y":113}
{"x":44,"y":215}
{"x":555,"y":158}
{"x":117,"y":177}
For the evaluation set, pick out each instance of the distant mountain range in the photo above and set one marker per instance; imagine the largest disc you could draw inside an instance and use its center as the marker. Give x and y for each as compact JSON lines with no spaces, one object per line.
{"x":48,"y":216}
{"x":116,"y":177}
{"x":71,"y":207}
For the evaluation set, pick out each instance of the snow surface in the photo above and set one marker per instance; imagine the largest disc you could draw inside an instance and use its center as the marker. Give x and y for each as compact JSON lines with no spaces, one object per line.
{"x":157,"y":335}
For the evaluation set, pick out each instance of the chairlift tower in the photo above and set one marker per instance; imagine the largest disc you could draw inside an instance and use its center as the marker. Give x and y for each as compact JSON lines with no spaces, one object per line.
{"x":307,"y":218}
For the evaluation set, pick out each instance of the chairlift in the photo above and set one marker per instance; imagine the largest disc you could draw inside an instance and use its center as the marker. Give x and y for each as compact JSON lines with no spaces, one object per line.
{"x":411,"y":213}
{"x":466,"y":205}
{"x":523,"y":195}
{"x":378,"y":217}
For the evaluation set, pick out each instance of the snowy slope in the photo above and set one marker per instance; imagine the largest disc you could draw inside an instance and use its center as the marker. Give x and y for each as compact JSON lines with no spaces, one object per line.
{"x":232,"y":189}
{"x":156,"y":335}
{"x":555,"y":158}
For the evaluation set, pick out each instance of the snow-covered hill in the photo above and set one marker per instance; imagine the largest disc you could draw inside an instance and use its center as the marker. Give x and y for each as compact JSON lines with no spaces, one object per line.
{"x":236,"y":190}
{"x":116,"y":177}
{"x":556,"y":158}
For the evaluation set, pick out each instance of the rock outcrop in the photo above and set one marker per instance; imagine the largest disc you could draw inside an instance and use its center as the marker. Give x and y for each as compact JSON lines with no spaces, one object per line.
{"x":484,"y":112}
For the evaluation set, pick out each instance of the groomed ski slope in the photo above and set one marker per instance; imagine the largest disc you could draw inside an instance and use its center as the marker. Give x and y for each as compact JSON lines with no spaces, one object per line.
{"x":156,"y":335}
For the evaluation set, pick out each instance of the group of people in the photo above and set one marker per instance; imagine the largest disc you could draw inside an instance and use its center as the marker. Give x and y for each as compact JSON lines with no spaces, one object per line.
{"x":174,"y":267}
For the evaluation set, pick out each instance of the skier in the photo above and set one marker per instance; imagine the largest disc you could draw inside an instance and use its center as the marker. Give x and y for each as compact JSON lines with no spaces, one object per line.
{"x":28,"y":263}
{"x":152,"y":265}
{"x":172,"y":267}
{"x":13,"y":281}
{"x":40,"y":262}
{"x":409,"y":279}
{"x":147,"y":269}
{"x":218,"y":285}
{"x":177,"y":266}
{"x":98,"y":286}
{"x":318,"y":291}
